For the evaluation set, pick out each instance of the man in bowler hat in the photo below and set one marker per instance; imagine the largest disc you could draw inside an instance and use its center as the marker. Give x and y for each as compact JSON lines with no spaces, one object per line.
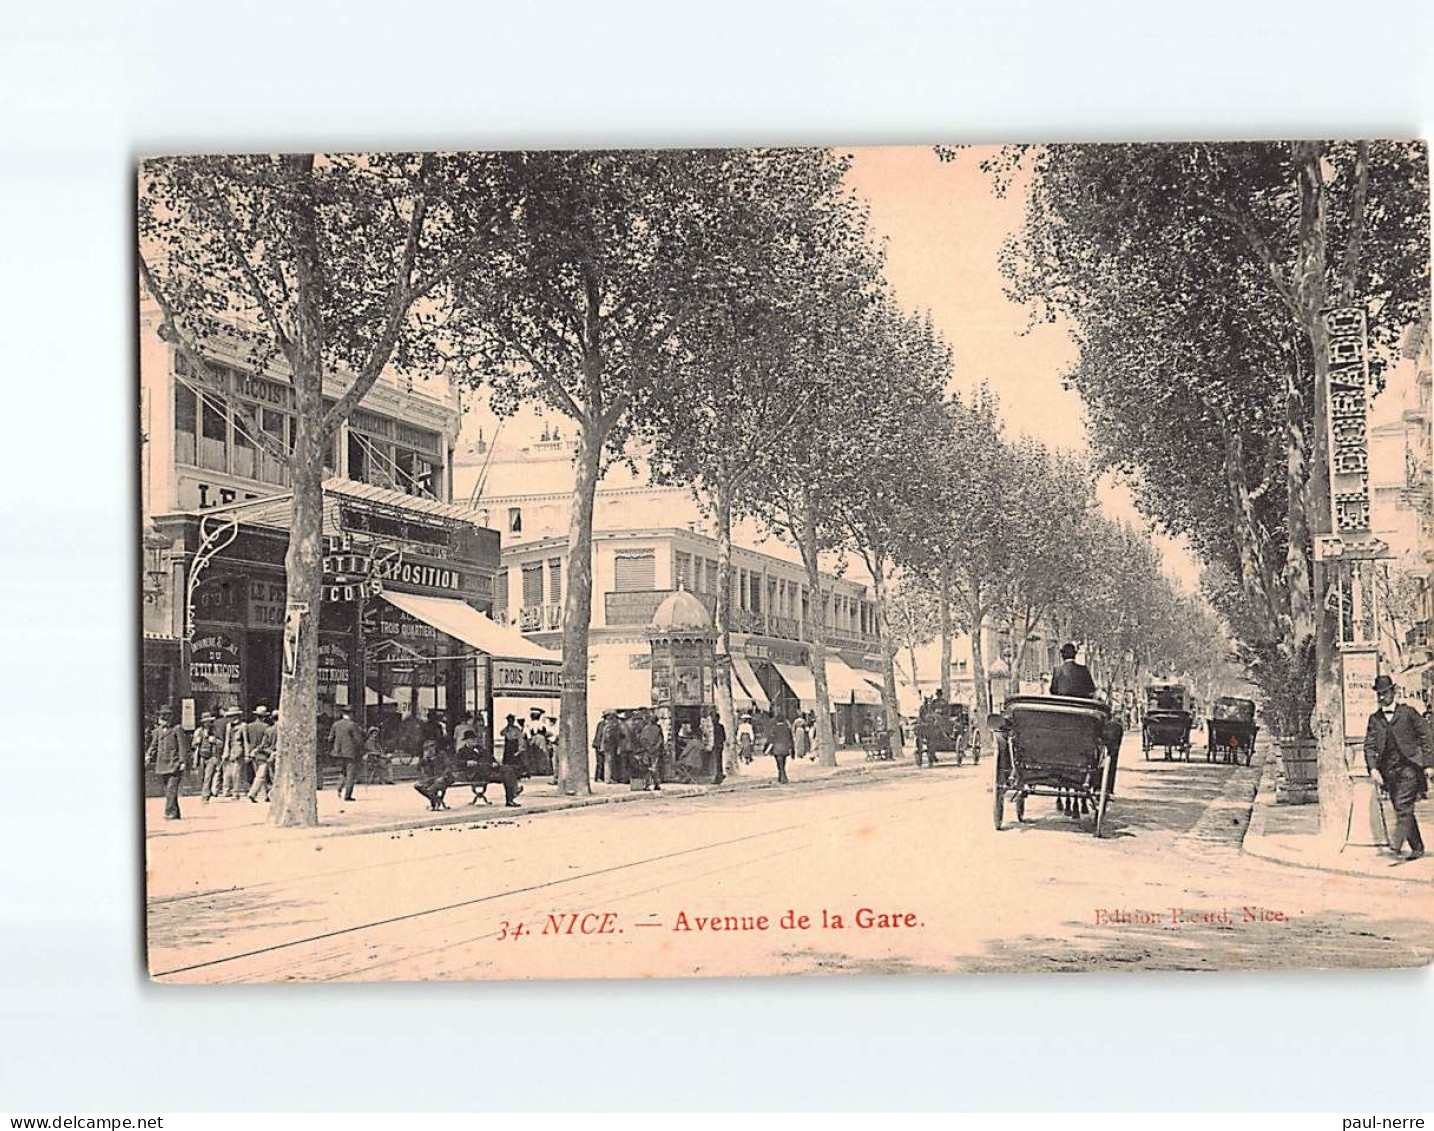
{"x":168,"y":756}
{"x":1397,"y":747}
{"x":1071,"y":678}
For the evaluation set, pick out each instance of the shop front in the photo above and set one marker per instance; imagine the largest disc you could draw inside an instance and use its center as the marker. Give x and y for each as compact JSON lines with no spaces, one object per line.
{"x":403,"y":633}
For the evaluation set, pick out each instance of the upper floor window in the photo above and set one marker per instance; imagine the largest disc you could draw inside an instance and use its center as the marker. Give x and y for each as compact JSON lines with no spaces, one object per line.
{"x":555,"y":581}
{"x":186,"y":424}
{"x":634,"y":570}
{"x":515,"y":520}
{"x":213,"y":436}
{"x":532,"y":584}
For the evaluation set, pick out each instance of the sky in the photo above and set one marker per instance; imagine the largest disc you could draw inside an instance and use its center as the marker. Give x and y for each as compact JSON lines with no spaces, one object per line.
{"x":944,"y":227}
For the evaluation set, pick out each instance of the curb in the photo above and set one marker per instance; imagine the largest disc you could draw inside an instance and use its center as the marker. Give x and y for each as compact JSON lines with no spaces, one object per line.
{"x":481,"y":815}
{"x":1255,"y":833}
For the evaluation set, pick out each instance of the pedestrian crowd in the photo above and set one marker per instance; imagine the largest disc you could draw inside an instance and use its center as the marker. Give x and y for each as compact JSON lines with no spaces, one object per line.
{"x":237,"y":756}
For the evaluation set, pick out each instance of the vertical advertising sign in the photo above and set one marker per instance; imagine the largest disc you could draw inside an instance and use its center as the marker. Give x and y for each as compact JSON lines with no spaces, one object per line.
{"x":1347,"y":405}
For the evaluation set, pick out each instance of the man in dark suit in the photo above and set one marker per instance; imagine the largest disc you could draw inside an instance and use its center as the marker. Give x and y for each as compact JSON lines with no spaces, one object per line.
{"x":346,"y":745}
{"x":168,"y":756}
{"x":1071,"y":678}
{"x":1397,"y":746}
{"x":719,"y":747}
{"x":780,"y":746}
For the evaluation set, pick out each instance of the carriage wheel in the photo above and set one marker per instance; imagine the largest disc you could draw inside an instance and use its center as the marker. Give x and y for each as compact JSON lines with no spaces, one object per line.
{"x":1210,"y":751}
{"x":1104,"y":799}
{"x":1249,"y":753}
{"x":1145,"y":745}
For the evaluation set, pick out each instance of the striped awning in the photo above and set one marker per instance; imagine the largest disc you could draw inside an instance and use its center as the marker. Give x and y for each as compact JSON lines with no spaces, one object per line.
{"x":747,"y":690}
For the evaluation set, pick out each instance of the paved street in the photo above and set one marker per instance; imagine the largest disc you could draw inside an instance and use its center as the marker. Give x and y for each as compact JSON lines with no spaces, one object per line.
{"x":653,"y":884}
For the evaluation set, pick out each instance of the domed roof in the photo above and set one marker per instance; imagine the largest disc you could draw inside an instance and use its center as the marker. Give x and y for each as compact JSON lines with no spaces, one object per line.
{"x":681,"y":612}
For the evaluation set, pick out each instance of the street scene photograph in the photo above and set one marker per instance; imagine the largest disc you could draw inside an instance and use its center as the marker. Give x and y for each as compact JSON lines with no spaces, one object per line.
{"x":747,"y":562}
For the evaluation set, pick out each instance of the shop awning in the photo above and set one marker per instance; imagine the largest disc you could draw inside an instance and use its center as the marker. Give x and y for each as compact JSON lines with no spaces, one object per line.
{"x":463,"y":622}
{"x":846,"y":685}
{"x":747,"y":690}
{"x":802,"y":685}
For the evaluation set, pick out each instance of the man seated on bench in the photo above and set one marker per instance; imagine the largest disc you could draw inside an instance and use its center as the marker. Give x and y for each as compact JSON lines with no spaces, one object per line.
{"x":440,"y":775}
{"x":478,"y":765}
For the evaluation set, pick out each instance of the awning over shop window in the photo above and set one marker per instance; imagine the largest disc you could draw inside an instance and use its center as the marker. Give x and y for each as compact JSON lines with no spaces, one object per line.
{"x":801,"y":683}
{"x":846,"y":685}
{"x":747,"y":691}
{"x":463,"y":622}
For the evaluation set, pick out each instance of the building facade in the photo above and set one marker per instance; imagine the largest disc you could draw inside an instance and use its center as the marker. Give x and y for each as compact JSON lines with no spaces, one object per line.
{"x":648,"y":542}
{"x":405,"y":625}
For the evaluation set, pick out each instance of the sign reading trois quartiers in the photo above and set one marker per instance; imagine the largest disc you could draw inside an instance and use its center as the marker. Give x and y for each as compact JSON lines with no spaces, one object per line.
{"x":526,"y":677}
{"x":1347,"y":353}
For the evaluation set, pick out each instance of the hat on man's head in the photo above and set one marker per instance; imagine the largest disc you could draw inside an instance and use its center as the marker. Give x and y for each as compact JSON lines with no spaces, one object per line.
{"x":261,"y":709}
{"x":165,"y":711}
{"x":207,"y":717}
{"x":1383,"y":683}
{"x":1068,"y":651}
{"x":231,"y":712}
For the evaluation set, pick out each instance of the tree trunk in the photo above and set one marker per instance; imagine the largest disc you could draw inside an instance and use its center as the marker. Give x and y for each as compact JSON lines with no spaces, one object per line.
{"x":978,"y":675}
{"x":723,"y":689}
{"x":295,"y":791}
{"x":1297,"y":496}
{"x":888,"y":658}
{"x":915,"y":675}
{"x":944,"y":604}
{"x":577,"y":616}
{"x":825,"y":739}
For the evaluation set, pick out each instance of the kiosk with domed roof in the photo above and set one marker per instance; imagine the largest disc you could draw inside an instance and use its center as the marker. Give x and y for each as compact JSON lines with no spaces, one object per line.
{"x":684,"y":645}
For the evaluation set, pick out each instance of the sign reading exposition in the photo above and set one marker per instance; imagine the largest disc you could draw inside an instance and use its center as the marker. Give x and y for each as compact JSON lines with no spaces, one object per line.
{"x":1348,"y":407}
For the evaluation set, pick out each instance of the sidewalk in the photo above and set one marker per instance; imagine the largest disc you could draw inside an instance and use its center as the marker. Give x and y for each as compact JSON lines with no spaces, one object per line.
{"x":397,"y":808}
{"x":1289,"y":834}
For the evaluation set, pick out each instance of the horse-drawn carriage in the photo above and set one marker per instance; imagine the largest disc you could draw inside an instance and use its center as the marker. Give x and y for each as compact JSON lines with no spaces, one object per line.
{"x":1053,"y":746}
{"x":1168,"y":719}
{"x":944,"y":728}
{"x":1230,"y":731}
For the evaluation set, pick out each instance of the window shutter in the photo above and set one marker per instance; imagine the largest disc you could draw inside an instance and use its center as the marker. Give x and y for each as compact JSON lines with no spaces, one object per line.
{"x":555,"y":581}
{"x":634,"y":570}
{"x":532,"y":584}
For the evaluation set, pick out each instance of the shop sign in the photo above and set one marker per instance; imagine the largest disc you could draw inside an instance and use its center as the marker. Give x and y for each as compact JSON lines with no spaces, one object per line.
{"x":333,"y":662}
{"x":425,"y":576}
{"x":526,"y":677}
{"x":220,"y":598}
{"x":1347,"y":406}
{"x":353,"y":571}
{"x":266,"y":602}
{"x":775,"y":653}
{"x":1358,"y":667}
{"x":214,"y":662}
{"x":383,"y":620}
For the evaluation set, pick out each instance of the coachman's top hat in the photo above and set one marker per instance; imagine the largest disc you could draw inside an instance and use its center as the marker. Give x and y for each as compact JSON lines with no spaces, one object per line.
{"x":1383,"y":683}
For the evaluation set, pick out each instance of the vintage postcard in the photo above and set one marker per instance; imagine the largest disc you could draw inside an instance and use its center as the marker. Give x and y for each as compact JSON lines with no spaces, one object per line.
{"x":671,"y":563}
